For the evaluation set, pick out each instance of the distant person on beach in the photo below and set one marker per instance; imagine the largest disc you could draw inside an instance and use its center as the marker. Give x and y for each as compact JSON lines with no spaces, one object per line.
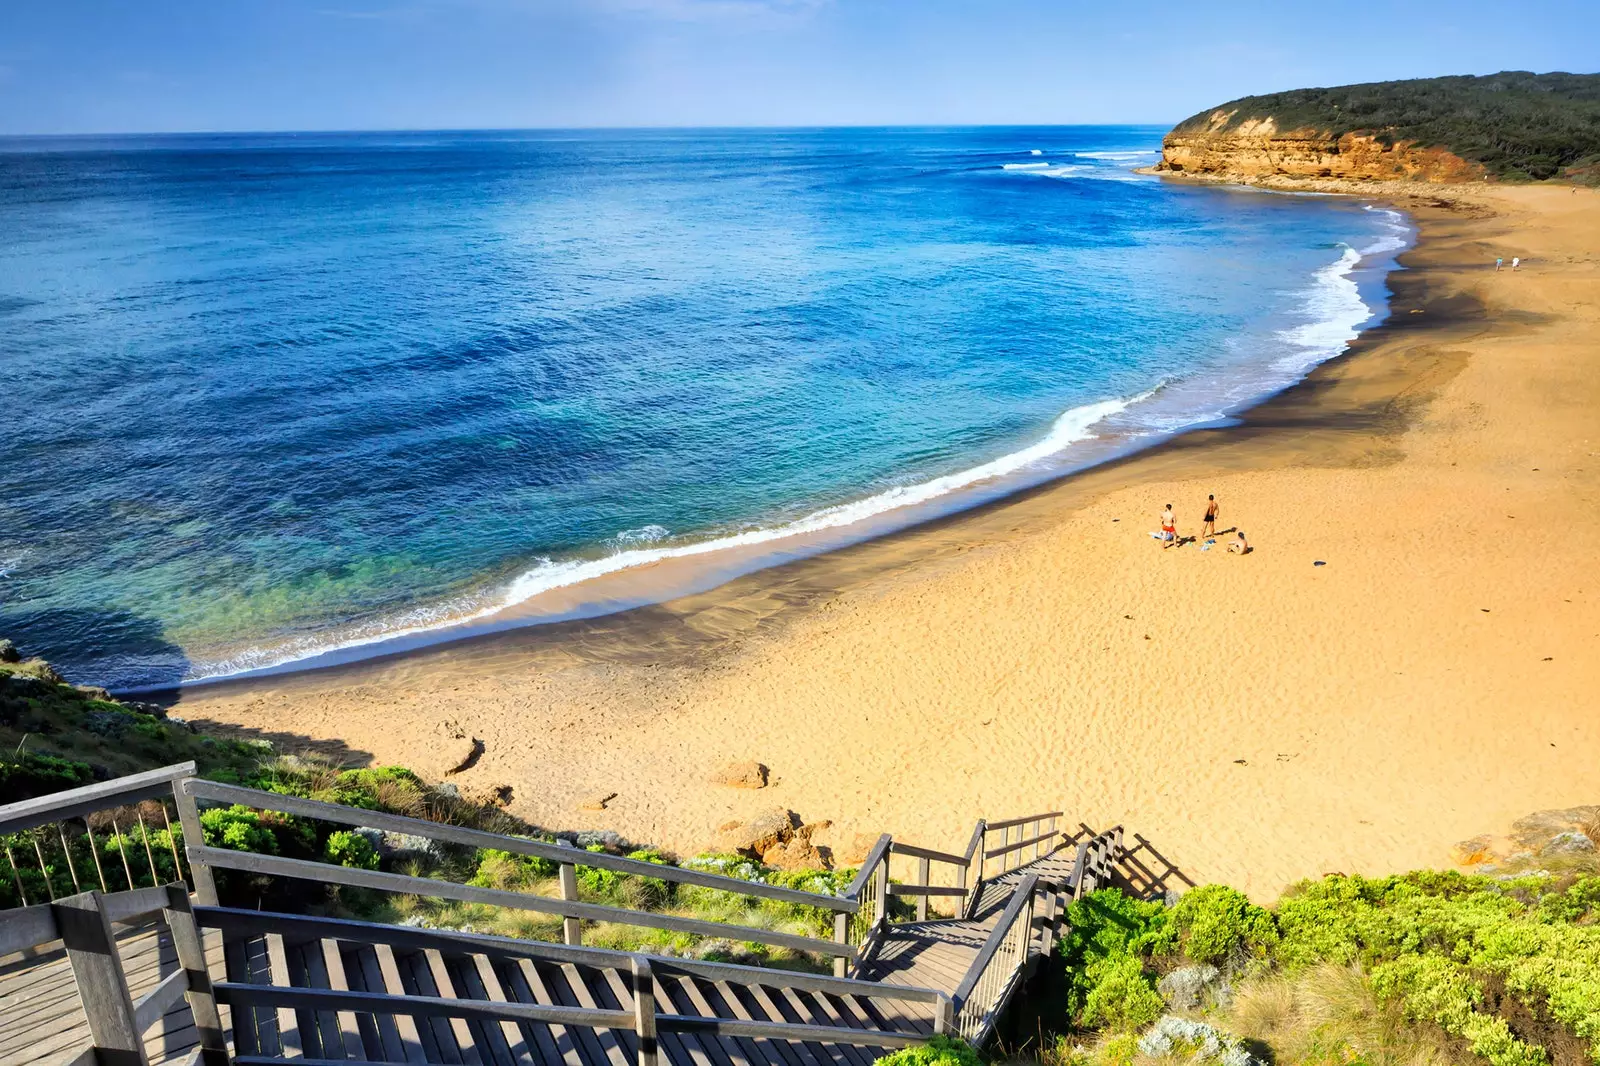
{"x":1239,"y":544}
{"x":1499,"y":261}
{"x":1516,"y":261}
{"x":1209,"y":528}
{"x":1169,"y":528}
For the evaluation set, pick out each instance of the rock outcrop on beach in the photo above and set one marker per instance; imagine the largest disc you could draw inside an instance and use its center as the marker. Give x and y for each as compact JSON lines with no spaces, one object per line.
{"x":1509,"y":126}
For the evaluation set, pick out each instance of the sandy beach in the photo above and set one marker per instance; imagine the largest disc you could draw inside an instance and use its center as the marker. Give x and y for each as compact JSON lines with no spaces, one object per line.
{"x":1409,"y":657}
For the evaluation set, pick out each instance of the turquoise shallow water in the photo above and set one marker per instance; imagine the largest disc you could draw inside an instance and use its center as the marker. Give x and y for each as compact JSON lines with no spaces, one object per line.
{"x":267,"y":395}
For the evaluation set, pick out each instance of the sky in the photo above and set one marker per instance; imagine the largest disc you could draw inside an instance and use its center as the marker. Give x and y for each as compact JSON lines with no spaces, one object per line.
{"x":128,"y":66}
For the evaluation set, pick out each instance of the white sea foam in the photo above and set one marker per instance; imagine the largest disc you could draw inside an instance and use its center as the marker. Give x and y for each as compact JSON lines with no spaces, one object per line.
{"x":1072,"y":427}
{"x":1035,"y":151}
{"x":1023,"y":166}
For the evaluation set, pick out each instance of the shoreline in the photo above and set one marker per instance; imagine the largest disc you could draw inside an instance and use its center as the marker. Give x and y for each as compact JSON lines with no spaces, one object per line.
{"x":847,"y":671}
{"x":586,"y":587}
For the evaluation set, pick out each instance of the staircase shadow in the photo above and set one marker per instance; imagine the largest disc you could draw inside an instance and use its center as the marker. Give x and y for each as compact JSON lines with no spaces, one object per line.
{"x":1143,"y":872}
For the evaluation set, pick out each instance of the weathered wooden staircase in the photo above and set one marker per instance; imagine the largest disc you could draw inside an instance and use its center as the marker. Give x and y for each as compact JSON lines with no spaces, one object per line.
{"x":162,"y":974}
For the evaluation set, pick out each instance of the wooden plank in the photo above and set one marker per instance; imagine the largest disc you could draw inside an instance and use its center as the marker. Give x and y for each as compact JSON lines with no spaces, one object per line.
{"x":465,"y":1041}
{"x":327,"y":873}
{"x":614,"y":1048}
{"x":740,"y":1050}
{"x":425,"y":1006}
{"x":566,"y":1040}
{"x":477,"y":838}
{"x":815,"y":1010}
{"x":701,"y":1050}
{"x":517,"y":1047}
{"x":385,"y":1026}
{"x":404,"y":1023}
{"x":733,"y":1008}
{"x":878,"y":854}
{"x":325,"y":966}
{"x":288,"y":1023}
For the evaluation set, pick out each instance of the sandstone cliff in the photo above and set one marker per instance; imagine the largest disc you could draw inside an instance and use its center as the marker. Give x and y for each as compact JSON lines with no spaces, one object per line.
{"x":1257,"y":148}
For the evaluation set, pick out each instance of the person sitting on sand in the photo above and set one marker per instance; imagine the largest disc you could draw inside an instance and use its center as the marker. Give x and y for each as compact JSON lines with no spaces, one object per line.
{"x":1209,"y":527}
{"x":1169,"y":528}
{"x":1239,"y":544}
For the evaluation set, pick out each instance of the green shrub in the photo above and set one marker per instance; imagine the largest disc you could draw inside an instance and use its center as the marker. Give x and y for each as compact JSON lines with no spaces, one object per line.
{"x":350,"y":849}
{"x":510,"y":871}
{"x":1120,"y":995}
{"x":237,"y":828}
{"x":940,"y":1051}
{"x":31,"y":773}
{"x":1217,"y":924}
{"x":366,"y":787}
{"x":1438,"y":990}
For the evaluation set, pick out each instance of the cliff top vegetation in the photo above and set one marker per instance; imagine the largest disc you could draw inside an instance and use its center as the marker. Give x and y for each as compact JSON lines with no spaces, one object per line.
{"x":1516,"y":124}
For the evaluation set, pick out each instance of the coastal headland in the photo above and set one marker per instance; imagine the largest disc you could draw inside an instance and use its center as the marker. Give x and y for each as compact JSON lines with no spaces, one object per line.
{"x":1408,"y":658}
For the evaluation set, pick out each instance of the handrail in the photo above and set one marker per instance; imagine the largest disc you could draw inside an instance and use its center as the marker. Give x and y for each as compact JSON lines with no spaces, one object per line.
{"x":333,"y":812}
{"x":22,"y":928}
{"x":235,"y":923}
{"x":1009,"y":848}
{"x":320,"y":999}
{"x":423,"y":886}
{"x":160,"y":999}
{"x":929,"y":853}
{"x":86,"y":799}
{"x":1019,"y":899}
{"x":1013,"y":822}
{"x":868,"y":865}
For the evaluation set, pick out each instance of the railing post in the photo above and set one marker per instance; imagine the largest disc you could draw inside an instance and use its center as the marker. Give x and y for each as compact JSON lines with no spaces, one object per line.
{"x":571,"y":928}
{"x":924,"y":873}
{"x":205,"y":886}
{"x":102,"y":986}
{"x":191,"y":952}
{"x":644,"y":1010}
{"x":841,"y":935}
{"x":881,"y":890}
{"x":944,"y":1015}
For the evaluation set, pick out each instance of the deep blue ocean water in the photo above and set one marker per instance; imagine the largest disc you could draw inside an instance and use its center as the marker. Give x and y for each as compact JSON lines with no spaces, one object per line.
{"x":270,"y":394}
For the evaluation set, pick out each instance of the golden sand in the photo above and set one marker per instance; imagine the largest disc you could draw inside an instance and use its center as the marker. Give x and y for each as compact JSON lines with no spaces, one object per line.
{"x":1259,"y":719}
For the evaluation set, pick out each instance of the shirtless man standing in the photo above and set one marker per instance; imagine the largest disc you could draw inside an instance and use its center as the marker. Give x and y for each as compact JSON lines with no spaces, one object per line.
{"x":1169,"y":528}
{"x":1209,"y":527}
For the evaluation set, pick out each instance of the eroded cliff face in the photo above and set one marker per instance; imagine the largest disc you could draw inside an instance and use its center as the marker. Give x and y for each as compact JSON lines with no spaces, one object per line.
{"x":1256,"y":148}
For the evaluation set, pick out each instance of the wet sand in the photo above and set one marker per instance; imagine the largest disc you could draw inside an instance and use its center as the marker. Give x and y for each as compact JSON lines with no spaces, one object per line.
{"x":1259,"y":719}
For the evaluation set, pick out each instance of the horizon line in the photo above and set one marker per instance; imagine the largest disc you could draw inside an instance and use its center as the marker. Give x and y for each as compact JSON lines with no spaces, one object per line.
{"x":580,"y":129}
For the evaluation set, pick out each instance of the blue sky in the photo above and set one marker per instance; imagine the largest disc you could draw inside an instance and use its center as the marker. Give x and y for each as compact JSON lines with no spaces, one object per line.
{"x":80,"y":66}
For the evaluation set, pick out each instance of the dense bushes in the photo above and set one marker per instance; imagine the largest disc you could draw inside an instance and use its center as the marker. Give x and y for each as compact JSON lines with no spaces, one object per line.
{"x":1427,"y":944}
{"x":1516,"y":124}
{"x":940,"y":1051}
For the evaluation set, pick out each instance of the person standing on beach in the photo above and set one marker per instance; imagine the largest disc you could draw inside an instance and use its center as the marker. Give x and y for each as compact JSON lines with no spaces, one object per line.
{"x":1169,"y":528}
{"x":1516,"y":261}
{"x":1209,"y":527}
{"x":1499,"y":261}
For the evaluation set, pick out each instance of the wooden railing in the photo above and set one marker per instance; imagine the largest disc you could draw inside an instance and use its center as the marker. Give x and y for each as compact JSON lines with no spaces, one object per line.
{"x":1025,"y":933}
{"x":571,"y":909}
{"x":641,"y":1016}
{"x":117,"y":1022}
{"x":55,"y":836}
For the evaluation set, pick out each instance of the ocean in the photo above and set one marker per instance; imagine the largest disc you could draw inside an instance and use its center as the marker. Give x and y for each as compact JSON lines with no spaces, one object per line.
{"x":275,"y":400}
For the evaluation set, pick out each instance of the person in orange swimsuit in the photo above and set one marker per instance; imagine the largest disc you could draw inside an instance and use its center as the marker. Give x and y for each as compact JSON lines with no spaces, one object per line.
{"x":1169,"y":528}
